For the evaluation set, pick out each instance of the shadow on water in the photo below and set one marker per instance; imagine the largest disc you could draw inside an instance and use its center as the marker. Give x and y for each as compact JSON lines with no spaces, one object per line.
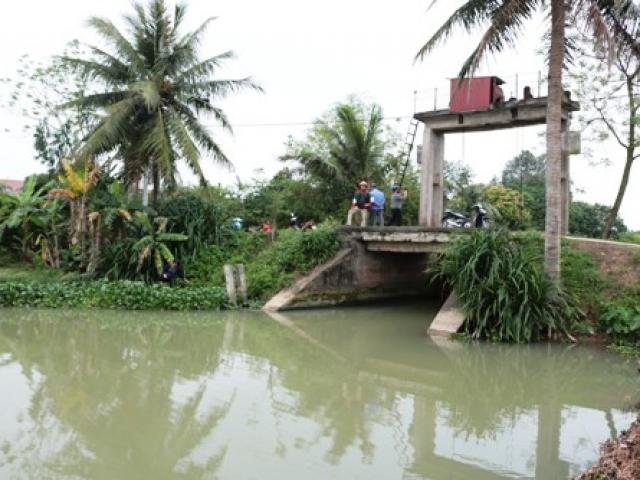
{"x":343,"y":393}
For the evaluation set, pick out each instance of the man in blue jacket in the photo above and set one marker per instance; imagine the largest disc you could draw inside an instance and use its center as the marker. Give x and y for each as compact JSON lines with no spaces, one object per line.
{"x":376,"y":209}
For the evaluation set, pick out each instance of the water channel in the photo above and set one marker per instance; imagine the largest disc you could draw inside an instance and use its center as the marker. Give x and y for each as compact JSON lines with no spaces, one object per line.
{"x":347,"y":393}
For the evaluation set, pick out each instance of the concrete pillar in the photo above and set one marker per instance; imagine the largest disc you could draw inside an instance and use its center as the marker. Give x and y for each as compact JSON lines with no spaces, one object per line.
{"x":565,"y":181}
{"x":548,"y":462}
{"x":566,"y":192}
{"x":432,"y":178}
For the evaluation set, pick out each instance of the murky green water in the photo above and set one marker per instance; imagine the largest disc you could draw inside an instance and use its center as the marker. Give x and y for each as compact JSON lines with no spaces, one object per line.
{"x":348,"y":393}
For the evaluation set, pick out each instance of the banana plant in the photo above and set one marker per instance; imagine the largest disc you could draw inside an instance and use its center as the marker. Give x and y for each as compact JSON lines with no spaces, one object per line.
{"x":76,"y":186}
{"x":23,"y":211}
{"x":49,"y":240}
{"x":153,"y":244}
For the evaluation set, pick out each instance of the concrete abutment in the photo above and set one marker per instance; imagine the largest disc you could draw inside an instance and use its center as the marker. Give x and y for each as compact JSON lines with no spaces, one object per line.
{"x":360,"y":275}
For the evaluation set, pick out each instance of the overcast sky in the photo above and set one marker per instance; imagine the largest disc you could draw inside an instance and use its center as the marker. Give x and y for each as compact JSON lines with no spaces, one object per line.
{"x":307,"y":56}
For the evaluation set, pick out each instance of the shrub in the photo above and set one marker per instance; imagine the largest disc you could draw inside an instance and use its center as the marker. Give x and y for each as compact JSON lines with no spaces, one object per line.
{"x":504,"y":292}
{"x":630,"y":237}
{"x":621,"y":322}
{"x":124,"y":295}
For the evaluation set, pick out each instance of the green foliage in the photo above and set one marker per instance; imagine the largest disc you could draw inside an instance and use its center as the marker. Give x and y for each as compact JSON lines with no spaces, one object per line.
{"x":525,"y":174}
{"x":460,"y":191}
{"x":621,"y":321}
{"x":630,"y":237}
{"x":589,"y":220}
{"x":200,"y":219}
{"x":503,"y":290}
{"x":269,"y":265}
{"x":117,"y":295}
{"x":22,"y":214}
{"x":293,"y":253}
{"x":347,"y":144}
{"x":510,"y":206}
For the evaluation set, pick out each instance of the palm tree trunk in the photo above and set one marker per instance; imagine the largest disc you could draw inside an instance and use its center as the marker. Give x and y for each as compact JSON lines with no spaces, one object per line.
{"x":156,"y":184}
{"x":554,"y":143}
{"x":631,"y":150}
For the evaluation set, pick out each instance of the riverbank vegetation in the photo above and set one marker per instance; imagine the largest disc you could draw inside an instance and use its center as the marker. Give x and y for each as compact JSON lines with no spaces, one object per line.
{"x":499,"y":280}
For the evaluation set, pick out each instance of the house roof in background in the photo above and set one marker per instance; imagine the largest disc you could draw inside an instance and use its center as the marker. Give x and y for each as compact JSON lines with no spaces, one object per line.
{"x":12,"y":185}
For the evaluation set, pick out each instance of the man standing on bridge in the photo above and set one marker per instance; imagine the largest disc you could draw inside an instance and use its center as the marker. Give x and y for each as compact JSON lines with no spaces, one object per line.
{"x":360,"y":204}
{"x":376,"y":214}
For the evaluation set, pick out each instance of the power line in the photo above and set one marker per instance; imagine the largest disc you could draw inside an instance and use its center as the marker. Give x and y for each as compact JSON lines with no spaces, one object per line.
{"x":308,"y":123}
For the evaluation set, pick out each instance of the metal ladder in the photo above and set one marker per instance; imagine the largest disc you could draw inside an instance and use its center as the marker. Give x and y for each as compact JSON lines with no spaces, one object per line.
{"x":410,"y":139}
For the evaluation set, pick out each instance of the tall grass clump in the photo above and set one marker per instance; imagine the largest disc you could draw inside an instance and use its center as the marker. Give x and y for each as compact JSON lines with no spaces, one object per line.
{"x":503,"y":290}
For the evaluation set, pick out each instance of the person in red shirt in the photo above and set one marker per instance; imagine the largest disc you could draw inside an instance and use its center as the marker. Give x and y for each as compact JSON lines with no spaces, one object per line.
{"x":266,"y":227}
{"x":360,"y":204}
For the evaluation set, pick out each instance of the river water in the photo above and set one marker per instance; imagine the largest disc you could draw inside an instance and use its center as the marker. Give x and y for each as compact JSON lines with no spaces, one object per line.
{"x":329,"y":394}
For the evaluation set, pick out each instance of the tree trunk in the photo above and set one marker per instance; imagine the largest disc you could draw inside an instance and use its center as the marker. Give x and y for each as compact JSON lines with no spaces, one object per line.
{"x":554,"y":143}
{"x":631,"y":151}
{"x":156,"y":184}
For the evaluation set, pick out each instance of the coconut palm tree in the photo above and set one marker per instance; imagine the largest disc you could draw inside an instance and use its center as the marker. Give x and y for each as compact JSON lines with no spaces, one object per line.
{"x":152,"y":88}
{"x":350,"y":144}
{"x":506,"y":19}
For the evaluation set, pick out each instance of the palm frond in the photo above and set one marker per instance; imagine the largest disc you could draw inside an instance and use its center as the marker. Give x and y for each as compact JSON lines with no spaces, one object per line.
{"x":507,"y":21}
{"x":172,"y":237}
{"x":97,"y":100}
{"x":220,"y":88}
{"x":470,"y":15}
{"x":111,"y":129}
{"x":188,"y":148}
{"x":111,"y":34}
{"x":158,"y":144}
{"x":110,"y":73}
{"x":203,"y":138}
{"x":204,"y":68}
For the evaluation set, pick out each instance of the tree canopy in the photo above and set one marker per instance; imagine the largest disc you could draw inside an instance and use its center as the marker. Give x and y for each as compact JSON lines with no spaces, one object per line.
{"x":152,"y":87}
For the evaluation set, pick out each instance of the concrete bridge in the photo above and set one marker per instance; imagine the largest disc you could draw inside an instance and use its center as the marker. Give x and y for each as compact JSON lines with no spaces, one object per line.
{"x":375,"y":264}
{"x":402,"y":239}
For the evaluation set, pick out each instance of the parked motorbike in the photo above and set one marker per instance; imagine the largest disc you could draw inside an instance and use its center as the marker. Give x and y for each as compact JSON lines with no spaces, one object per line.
{"x":478,"y":218}
{"x":453,"y":219}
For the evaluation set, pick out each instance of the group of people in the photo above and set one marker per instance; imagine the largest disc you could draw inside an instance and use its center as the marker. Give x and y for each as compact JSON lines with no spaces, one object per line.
{"x":293,"y":223}
{"x":370,"y":204}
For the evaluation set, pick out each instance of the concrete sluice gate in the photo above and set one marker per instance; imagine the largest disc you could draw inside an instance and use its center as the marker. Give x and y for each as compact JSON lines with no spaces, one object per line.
{"x":375,"y":264}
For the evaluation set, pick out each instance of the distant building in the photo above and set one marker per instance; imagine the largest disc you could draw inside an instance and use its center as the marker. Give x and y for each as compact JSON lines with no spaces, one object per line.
{"x":11,"y":186}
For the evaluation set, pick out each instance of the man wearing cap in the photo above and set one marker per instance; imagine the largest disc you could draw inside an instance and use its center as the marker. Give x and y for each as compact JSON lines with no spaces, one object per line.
{"x":360,"y":204}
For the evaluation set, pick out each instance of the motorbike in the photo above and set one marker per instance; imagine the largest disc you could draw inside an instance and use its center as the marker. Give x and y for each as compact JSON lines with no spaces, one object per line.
{"x":478,"y":219}
{"x":453,"y":219}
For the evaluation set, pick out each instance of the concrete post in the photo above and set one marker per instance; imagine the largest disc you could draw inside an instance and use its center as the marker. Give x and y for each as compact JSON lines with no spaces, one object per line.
{"x":437,"y":199}
{"x":231,"y":284}
{"x":565,"y":180}
{"x":431,"y":176}
{"x":242,"y":284}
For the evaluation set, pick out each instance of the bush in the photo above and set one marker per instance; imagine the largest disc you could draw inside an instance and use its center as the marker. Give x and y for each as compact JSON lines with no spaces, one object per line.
{"x":504,"y":292}
{"x":124,"y":295}
{"x":630,"y":237}
{"x":293,"y":253}
{"x":621,"y":322}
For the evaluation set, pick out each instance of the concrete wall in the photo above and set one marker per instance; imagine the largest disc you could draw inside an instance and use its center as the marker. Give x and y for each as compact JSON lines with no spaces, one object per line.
{"x":356,"y":275}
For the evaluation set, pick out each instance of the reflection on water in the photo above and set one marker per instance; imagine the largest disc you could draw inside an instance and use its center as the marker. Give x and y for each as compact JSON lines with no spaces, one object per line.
{"x":348,"y":393}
